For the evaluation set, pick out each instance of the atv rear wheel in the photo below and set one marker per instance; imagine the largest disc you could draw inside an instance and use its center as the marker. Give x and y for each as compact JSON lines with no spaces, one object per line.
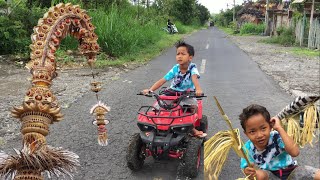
{"x":190,"y":163}
{"x":135,"y":158}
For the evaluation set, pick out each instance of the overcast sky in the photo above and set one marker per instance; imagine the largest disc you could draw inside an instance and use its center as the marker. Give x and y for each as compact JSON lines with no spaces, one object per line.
{"x":215,"y":6}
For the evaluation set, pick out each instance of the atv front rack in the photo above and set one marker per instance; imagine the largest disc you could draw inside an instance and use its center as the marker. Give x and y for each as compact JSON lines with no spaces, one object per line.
{"x":179,"y":112}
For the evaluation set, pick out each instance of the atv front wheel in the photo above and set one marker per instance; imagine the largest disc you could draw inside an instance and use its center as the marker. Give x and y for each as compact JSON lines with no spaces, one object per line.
{"x":204,"y":124}
{"x":190,"y":163}
{"x":135,"y":158}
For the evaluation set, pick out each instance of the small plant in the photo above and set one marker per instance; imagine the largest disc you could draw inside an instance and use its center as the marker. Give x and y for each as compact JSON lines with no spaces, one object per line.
{"x":280,"y":30}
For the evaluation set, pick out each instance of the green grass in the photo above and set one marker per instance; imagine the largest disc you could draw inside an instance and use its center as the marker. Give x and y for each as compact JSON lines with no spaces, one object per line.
{"x":142,"y":56}
{"x":227,"y":30}
{"x":306,"y":52}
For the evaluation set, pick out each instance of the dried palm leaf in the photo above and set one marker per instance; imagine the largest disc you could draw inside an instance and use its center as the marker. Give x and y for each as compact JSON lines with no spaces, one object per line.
{"x":309,"y":125}
{"x":216,"y":151}
{"x":293,"y":129}
{"x":55,"y":161}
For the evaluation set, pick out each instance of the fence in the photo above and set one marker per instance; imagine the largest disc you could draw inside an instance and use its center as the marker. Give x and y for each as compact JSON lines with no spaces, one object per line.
{"x":314,"y":35}
{"x":311,"y":36}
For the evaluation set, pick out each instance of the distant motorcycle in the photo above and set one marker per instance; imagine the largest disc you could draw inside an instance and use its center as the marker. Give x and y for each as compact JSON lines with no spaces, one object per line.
{"x":172,"y":29}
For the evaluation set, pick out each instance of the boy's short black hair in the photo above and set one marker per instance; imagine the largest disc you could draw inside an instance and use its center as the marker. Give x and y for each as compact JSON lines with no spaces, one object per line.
{"x":190,"y":48}
{"x":251,"y":110}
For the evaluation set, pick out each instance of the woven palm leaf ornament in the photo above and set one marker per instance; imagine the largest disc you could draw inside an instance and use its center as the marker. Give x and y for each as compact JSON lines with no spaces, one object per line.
{"x":40,"y":107}
{"x":100,"y":110}
{"x":301,"y":119}
{"x":217,"y":148}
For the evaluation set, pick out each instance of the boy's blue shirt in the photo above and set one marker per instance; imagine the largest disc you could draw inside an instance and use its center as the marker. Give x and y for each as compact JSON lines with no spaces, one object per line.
{"x":274,"y":157}
{"x":176,"y":76}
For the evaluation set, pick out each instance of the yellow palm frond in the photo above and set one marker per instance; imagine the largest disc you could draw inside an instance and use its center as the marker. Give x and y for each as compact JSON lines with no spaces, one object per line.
{"x":216,"y":151}
{"x":293,"y":129}
{"x":306,"y":134}
{"x":310,"y":120}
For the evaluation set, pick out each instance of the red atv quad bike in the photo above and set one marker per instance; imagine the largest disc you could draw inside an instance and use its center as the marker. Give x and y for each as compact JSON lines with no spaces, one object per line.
{"x":165,"y":132}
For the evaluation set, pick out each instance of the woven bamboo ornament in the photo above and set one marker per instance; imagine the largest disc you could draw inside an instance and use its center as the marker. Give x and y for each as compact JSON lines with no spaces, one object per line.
{"x":40,"y":107}
{"x":301,"y":119}
{"x":100,"y":110}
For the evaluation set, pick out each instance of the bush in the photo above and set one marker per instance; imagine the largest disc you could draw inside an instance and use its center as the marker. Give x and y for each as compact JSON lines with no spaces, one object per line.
{"x":250,"y":28}
{"x":16,"y":29}
{"x":280,"y":30}
{"x":286,"y":37}
{"x":13,"y":36}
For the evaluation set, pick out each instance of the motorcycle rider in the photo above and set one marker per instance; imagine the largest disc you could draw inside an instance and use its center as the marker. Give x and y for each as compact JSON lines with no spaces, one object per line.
{"x":169,"y":25}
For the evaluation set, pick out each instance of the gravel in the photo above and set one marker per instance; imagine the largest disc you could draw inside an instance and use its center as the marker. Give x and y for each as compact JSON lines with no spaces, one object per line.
{"x":297,"y":75}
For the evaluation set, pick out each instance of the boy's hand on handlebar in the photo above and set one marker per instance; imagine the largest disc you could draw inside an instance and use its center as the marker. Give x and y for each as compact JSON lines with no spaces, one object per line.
{"x":199,"y":92}
{"x":145,"y":91}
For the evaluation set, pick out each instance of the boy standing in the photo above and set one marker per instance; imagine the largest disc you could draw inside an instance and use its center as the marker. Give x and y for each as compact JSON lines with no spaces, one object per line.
{"x":184,"y":76}
{"x":271,"y":151}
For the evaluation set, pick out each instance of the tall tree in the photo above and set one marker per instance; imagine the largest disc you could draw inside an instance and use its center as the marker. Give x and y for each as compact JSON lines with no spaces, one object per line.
{"x":184,"y":10}
{"x":203,"y":13}
{"x":163,"y":7}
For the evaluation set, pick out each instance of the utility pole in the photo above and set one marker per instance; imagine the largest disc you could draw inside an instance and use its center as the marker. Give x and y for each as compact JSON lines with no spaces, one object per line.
{"x":311,"y":23}
{"x":138,"y":8}
{"x":266,"y":31}
{"x":234,"y":11}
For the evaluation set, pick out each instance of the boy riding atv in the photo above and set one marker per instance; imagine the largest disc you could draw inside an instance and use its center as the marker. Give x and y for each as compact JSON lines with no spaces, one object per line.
{"x":174,"y":127}
{"x":185,"y":77}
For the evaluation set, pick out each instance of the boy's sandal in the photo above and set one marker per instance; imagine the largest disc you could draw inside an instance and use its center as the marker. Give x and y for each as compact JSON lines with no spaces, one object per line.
{"x":200,"y":135}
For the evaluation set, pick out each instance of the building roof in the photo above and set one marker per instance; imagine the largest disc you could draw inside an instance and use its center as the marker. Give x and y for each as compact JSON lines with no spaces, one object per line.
{"x":298,"y":1}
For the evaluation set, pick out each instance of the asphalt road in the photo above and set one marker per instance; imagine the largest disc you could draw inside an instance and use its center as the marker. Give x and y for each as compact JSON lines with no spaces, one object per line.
{"x":229,"y":74}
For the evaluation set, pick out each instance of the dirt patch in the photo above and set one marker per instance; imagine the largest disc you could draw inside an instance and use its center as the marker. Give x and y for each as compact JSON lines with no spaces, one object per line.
{"x":297,"y":75}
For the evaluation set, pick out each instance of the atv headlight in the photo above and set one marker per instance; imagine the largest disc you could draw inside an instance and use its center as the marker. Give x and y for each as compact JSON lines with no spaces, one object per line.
{"x":145,"y":127}
{"x":181,"y":129}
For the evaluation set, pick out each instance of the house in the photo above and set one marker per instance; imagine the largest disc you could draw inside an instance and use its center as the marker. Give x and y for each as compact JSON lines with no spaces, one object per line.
{"x":280,"y":16}
{"x":250,"y":13}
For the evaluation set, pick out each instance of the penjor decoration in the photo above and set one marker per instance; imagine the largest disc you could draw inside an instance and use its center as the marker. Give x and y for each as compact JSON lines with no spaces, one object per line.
{"x":40,"y":107}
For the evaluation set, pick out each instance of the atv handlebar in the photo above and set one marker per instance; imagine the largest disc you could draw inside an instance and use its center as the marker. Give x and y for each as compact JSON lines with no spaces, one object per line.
{"x":172,"y":105}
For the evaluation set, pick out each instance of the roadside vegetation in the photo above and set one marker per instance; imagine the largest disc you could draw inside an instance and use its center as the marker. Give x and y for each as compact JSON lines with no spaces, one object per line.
{"x":285,"y":37}
{"x":250,"y":22}
{"x":306,"y":52}
{"x":224,"y":20}
{"x":127,"y":31}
